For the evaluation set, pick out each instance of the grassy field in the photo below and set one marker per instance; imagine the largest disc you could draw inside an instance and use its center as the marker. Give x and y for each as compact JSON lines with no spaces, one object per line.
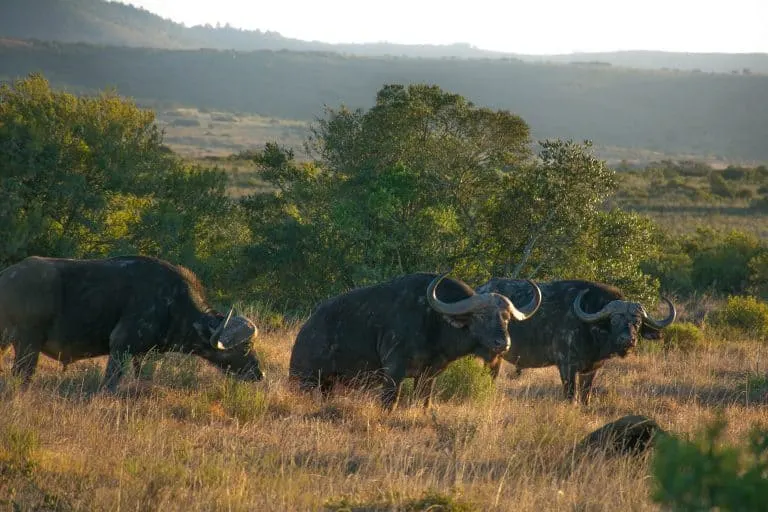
{"x":680,"y":204}
{"x":198,"y":134}
{"x":183,"y":437}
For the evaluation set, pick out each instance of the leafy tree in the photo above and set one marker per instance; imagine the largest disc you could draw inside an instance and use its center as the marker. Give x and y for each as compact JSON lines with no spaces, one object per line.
{"x":425,"y":180}
{"x":90,"y":177}
{"x":545,"y":205}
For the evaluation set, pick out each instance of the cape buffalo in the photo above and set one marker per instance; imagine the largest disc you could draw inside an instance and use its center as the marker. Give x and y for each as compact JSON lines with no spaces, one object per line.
{"x":580,"y":324}
{"x":401,"y":329}
{"x":125,"y":306}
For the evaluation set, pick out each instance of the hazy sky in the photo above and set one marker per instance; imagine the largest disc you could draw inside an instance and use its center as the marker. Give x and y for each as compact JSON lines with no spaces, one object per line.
{"x":529,"y":26}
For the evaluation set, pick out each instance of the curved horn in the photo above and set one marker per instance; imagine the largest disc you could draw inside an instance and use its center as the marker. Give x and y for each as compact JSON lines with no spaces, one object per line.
{"x":588,"y":317}
{"x":461,"y":307}
{"x":215,"y":343}
{"x":529,"y":309}
{"x":660,"y":324}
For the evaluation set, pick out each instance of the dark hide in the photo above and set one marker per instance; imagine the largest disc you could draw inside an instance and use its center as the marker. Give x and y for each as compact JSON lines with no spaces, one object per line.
{"x":121,"y":307}
{"x":385,"y":333}
{"x":556,"y":336}
{"x":629,"y":435}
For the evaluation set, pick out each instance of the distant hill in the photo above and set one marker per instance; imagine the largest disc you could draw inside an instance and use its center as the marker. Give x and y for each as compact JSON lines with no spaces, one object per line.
{"x":117,"y":24}
{"x":672,"y":112}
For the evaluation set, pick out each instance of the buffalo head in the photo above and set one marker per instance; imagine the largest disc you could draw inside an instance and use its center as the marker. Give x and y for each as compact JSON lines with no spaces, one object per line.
{"x":628,"y":321}
{"x":485,"y":315}
{"x":226,"y":342}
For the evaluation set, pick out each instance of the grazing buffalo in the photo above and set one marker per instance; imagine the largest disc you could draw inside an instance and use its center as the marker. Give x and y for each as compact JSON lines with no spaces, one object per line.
{"x":122,"y":307}
{"x":580,"y":325}
{"x":399,"y":329}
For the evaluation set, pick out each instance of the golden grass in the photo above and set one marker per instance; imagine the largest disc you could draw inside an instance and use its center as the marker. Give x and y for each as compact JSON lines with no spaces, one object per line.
{"x":192,"y":443}
{"x":222,"y":133}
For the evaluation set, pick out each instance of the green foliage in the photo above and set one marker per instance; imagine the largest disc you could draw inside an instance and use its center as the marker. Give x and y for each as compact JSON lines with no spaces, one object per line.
{"x":704,"y":474}
{"x":465,"y":380}
{"x":426,"y":181}
{"x":400,"y":188}
{"x":758,"y":275}
{"x":17,"y":447}
{"x":90,"y":177}
{"x":719,"y":186}
{"x":241,"y":400}
{"x":709,"y":260}
{"x":683,"y":336}
{"x":672,"y":269}
{"x":747,"y":314}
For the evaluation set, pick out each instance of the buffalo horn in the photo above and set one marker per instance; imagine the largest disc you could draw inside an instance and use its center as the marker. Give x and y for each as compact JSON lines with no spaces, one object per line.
{"x":589,"y":317}
{"x":462,"y":307}
{"x":529,"y":309}
{"x":220,"y":329}
{"x":660,"y":324}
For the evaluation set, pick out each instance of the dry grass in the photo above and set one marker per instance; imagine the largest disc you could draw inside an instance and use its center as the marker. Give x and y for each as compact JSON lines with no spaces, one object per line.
{"x":197,"y":134}
{"x":186,"y":438}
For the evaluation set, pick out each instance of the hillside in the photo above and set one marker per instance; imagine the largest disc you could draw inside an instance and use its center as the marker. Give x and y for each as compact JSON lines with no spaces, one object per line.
{"x":698,"y":114}
{"x":117,"y":24}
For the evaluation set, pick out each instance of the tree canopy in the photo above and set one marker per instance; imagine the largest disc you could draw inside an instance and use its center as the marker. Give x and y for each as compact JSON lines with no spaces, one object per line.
{"x":89,"y":177}
{"x":427,"y":181}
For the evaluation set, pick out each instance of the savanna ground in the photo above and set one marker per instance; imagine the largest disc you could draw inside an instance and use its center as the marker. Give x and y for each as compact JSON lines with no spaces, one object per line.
{"x":183,"y":437}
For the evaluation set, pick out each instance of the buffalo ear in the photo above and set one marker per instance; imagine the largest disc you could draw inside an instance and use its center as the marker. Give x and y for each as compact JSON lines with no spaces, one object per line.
{"x":458,"y":321}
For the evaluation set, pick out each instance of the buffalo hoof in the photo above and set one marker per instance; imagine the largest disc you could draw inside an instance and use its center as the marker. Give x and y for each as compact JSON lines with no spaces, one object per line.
{"x":629,"y":435}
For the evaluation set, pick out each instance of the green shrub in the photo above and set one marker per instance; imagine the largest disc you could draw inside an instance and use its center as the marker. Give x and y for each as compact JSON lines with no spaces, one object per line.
{"x":241,"y":400}
{"x":719,"y":186}
{"x":672,"y":269}
{"x":723,"y":265}
{"x":16,"y":449}
{"x":703,"y":474}
{"x":466,"y":379}
{"x":746,"y":314}
{"x":683,"y":336}
{"x":758,"y":275}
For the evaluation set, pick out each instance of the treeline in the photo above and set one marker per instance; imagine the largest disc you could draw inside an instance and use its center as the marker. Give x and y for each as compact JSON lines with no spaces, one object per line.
{"x":422,"y":181}
{"x":700,"y":114}
{"x":117,"y":24}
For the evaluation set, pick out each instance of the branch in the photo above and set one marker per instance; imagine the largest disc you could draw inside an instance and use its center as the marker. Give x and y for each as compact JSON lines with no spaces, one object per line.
{"x":528,"y":249}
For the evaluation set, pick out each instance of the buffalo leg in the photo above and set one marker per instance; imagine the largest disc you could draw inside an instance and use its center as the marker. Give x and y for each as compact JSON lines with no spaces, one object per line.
{"x":585,"y":386}
{"x":114,"y":372}
{"x":119,"y":341}
{"x":568,"y":378}
{"x":25,"y":362}
{"x":494,"y":367}
{"x":390,"y":394}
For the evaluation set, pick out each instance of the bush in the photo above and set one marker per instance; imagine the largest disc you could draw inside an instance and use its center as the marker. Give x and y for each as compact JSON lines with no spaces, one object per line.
{"x":241,"y":400}
{"x":758,"y":275}
{"x":723,"y":265}
{"x":718,"y":185}
{"x":16,"y":449}
{"x":466,"y":379}
{"x":702,"y":474}
{"x":683,"y":336}
{"x":746,"y":314}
